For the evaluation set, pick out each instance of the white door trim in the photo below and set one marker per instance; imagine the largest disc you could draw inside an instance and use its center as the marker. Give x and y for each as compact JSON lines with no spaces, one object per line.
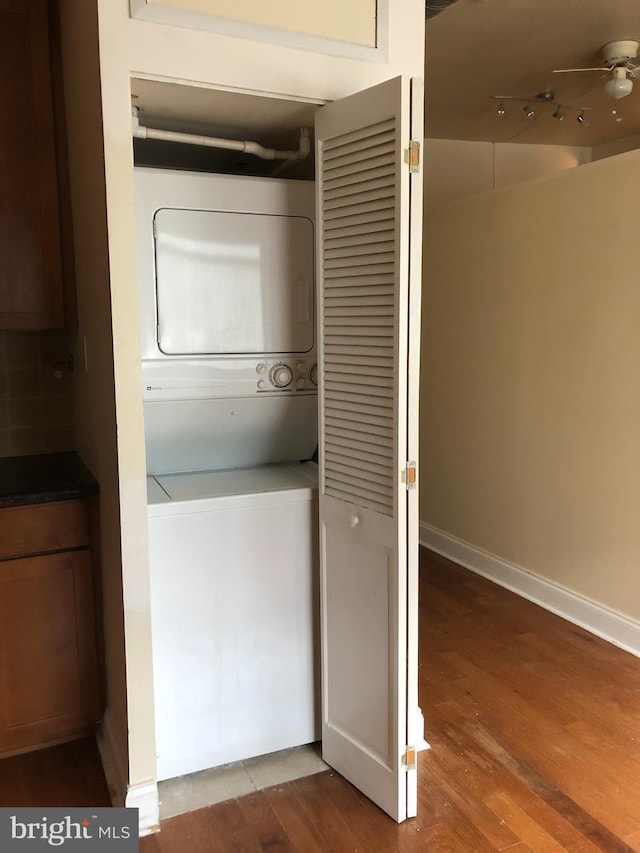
{"x":143,"y":797}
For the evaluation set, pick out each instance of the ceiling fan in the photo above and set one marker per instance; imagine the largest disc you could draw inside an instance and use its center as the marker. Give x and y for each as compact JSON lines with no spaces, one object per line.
{"x":621,"y":61}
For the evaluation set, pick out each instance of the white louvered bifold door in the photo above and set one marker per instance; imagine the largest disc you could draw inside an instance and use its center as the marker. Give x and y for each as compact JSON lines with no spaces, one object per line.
{"x":365,"y":257}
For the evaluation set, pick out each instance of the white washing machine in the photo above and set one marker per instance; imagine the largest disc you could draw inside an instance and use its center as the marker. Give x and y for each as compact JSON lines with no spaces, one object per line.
{"x":234,"y":594}
{"x":225,"y":271}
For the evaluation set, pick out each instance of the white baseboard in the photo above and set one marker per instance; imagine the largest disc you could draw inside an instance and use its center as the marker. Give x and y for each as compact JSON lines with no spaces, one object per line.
{"x":143,"y":797}
{"x":599,"y":620}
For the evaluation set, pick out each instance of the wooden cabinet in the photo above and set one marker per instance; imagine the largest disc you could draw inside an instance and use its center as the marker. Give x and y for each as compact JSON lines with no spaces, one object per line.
{"x":48,"y":659}
{"x":32,"y":290}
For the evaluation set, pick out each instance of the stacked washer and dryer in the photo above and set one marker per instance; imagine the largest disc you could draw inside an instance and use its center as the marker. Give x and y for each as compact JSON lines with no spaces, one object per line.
{"x":226,"y":292}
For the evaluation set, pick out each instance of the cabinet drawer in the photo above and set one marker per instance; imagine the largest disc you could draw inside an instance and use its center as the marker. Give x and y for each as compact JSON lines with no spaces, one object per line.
{"x":42,"y":528}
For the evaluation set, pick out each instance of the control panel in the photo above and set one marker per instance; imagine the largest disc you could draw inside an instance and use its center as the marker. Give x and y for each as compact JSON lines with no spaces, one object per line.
{"x":299,"y":375}
{"x":216,"y":379}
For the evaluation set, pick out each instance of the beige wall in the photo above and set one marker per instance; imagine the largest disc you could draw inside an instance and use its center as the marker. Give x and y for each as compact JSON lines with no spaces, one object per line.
{"x":530,"y":408}
{"x":520,"y":162}
{"x":95,"y":420}
{"x":353,"y":22}
{"x":617,"y":146}
{"x":455,"y":168}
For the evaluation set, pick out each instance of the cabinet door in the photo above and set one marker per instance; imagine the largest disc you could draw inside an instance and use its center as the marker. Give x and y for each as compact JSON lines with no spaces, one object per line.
{"x":31,"y":295}
{"x":48,"y":667}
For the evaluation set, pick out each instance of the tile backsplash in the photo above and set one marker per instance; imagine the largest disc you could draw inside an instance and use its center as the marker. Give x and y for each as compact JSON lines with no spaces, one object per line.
{"x":36,"y":405}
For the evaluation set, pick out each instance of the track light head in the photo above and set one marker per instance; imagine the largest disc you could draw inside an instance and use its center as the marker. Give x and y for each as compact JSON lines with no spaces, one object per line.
{"x":501,"y":109}
{"x":581,"y":118}
{"x":559,"y":115}
{"x":529,"y":111}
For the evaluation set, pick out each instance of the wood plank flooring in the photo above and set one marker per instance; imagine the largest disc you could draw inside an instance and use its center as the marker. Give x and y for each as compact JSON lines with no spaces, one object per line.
{"x":535,"y":729}
{"x":62,"y":776}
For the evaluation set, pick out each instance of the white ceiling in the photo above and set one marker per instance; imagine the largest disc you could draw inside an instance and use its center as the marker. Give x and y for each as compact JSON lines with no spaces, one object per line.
{"x":479,"y":48}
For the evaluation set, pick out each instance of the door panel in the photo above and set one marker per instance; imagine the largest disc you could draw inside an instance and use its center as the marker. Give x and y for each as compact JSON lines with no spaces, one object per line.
{"x":366,"y":231}
{"x":360,"y":670}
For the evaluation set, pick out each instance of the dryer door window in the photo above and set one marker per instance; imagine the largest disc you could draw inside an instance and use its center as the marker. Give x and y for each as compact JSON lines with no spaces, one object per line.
{"x":231,"y":283}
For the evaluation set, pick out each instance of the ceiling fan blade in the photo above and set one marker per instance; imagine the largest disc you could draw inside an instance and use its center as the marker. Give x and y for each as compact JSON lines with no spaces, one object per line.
{"x":572,"y":70}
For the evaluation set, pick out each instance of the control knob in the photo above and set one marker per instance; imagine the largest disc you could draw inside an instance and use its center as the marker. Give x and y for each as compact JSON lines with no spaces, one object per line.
{"x":281,"y":375}
{"x":313,"y":374}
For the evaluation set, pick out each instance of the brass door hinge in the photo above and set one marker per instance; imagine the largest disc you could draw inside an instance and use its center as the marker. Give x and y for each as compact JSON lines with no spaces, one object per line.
{"x":410,"y":475}
{"x":412,"y":155}
{"x":409,"y":758}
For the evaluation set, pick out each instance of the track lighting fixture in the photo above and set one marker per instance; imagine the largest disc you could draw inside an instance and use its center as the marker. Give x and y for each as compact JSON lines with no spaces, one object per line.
{"x":533,"y":102}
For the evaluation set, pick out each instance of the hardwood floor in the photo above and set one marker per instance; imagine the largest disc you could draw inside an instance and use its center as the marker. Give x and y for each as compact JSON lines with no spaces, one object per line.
{"x":62,"y":776}
{"x":535,"y":729}
{"x":535,"y":733}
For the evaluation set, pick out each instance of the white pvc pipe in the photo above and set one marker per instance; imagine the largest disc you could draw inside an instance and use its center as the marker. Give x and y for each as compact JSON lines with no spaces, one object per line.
{"x":140,"y":132}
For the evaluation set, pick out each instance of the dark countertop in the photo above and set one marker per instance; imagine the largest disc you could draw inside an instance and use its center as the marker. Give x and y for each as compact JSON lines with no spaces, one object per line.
{"x":43,"y":478}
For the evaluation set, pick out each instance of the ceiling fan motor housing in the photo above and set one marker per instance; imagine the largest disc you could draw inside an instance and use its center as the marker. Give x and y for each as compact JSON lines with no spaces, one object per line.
{"x":616,"y":52}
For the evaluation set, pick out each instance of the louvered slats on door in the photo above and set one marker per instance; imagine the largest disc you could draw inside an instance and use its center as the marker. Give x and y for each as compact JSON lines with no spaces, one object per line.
{"x":358,"y":204}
